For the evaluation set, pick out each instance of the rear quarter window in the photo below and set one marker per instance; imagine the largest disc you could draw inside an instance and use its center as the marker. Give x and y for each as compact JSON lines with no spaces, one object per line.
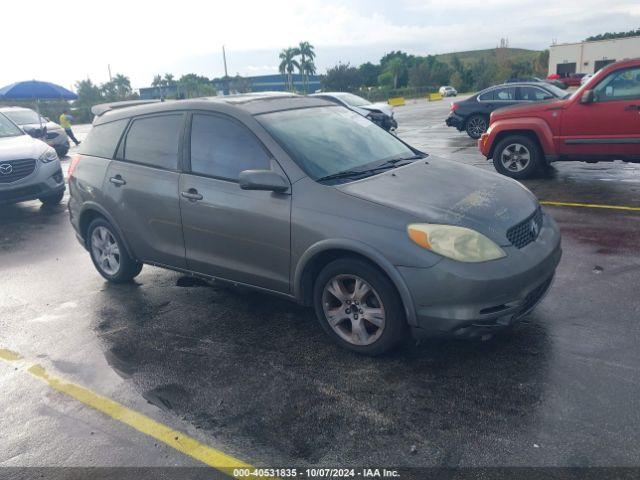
{"x":103,"y":139}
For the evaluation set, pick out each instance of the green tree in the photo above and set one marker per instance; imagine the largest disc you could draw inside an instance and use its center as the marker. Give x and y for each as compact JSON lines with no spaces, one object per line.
{"x":307,"y":55}
{"x":122,"y":86}
{"x":396,"y":68}
{"x":89,"y":94}
{"x":288,"y":64}
{"x":369,"y":74}
{"x":429,"y":71}
{"x":192,"y":85}
{"x":342,"y":78}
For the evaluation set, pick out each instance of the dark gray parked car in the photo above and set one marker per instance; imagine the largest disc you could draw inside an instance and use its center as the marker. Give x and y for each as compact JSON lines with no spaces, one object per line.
{"x":309,"y":200}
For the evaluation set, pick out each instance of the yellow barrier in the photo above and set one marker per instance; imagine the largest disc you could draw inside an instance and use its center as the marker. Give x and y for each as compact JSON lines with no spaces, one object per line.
{"x":396,"y":101}
{"x":434,"y":96}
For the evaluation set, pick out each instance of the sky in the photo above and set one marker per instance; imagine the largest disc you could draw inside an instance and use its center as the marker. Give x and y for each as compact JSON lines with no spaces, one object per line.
{"x":78,"y":39}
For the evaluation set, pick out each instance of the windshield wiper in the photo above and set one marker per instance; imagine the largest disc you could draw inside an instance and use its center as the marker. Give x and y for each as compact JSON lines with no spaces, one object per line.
{"x":387,"y":164}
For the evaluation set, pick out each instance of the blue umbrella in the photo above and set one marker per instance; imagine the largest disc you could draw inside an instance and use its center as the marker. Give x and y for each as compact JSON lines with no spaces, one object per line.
{"x":36,"y":90}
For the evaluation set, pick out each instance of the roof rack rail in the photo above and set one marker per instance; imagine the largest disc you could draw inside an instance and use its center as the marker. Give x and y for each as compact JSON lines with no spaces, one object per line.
{"x":103,"y":108}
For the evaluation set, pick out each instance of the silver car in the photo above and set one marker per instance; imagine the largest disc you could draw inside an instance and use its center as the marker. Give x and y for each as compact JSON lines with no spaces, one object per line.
{"x":28,"y":120}
{"x":311,"y":201}
{"x":379,"y":113}
{"x":29,"y":168}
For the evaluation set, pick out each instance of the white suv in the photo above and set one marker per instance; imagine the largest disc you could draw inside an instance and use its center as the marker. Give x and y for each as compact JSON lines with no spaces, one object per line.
{"x":29,"y":168}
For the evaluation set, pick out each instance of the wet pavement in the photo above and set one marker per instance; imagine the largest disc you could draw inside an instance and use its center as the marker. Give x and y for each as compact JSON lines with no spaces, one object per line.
{"x":255,"y":376}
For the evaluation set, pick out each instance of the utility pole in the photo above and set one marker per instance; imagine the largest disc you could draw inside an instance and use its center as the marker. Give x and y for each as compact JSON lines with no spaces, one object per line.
{"x":109,"y":68}
{"x":225,"y":90}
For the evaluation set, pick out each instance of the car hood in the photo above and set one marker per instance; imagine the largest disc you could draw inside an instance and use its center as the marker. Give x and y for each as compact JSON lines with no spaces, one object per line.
{"x":447,"y":192}
{"x":22,"y":146}
{"x":381,"y":107}
{"x":527,"y":109}
{"x":51,"y":126}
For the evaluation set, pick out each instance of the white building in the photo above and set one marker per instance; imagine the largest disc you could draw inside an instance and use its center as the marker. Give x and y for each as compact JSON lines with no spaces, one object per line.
{"x":589,"y":57}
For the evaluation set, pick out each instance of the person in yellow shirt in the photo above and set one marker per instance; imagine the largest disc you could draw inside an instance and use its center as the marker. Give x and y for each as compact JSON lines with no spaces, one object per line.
{"x":65,"y":122}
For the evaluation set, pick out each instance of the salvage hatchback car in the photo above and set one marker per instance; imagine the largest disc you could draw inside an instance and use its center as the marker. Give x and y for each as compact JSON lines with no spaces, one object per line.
{"x":309,"y":200}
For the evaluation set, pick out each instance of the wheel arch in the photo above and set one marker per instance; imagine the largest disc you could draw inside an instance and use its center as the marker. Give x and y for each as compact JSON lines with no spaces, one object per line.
{"x":89,"y":213}
{"x":323,"y":252}
{"x":535,"y":128}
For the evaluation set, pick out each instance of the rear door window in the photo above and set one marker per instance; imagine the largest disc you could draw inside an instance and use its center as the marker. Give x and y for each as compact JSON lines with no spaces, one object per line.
{"x":222,"y":148}
{"x":154,"y":141}
{"x":103,"y":139}
{"x":532,"y":94}
{"x":505,"y":94}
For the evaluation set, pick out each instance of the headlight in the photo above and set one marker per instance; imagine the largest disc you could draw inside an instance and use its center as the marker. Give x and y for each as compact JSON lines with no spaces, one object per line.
{"x":49,"y":155}
{"x":458,"y":243}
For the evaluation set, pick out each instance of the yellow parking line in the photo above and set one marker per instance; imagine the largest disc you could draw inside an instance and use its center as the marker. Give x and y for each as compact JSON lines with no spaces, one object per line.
{"x":590,"y":205}
{"x":177,"y":440}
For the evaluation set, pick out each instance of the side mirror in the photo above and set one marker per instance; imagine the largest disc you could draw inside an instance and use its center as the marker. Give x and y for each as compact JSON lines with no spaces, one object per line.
{"x":589,"y":96}
{"x":262,"y":180}
{"x":36,"y":132}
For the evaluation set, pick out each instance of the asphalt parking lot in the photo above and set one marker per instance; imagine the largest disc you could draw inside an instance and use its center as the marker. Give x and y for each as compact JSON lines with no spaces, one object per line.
{"x":253,"y":377}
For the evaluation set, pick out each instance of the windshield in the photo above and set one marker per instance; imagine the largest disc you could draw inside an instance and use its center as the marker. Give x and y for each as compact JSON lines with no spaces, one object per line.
{"x":353,"y":100}
{"x":328,"y":140}
{"x":8,"y":128}
{"x":24,"y":117}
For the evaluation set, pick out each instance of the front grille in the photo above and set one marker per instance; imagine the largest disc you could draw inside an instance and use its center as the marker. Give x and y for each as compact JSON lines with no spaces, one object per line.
{"x":18,"y":170}
{"x":525,"y":232}
{"x":534,"y":296}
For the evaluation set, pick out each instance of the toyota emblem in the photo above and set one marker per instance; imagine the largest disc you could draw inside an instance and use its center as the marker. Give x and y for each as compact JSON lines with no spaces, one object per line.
{"x":6,"y":169}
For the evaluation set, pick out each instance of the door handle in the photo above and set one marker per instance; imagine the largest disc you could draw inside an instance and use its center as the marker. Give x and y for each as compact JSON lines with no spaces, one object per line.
{"x":118,"y":181}
{"x":191,"y":195}
{"x":632,"y":107}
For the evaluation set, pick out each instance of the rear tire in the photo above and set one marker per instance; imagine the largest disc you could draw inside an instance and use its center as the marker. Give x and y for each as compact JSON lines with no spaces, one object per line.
{"x":359,"y":307}
{"x":476,"y":125}
{"x":51,"y":200}
{"x":518,"y":156}
{"x":108,"y":253}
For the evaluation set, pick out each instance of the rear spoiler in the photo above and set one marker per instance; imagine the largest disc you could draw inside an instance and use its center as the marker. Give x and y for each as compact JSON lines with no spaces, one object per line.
{"x":103,"y":108}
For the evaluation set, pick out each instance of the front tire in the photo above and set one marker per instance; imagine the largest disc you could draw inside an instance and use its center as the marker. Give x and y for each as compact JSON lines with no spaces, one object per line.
{"x":358,"y":307}
{"x":62,"y":150}
{"x":108,"y":253}
{"x":476,"y":125}
{"x":518,"y":156}
{"x":51,"y":200}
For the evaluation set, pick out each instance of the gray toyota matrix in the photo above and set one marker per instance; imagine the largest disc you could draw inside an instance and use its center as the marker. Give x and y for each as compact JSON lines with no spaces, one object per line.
{"x":311,"y":201}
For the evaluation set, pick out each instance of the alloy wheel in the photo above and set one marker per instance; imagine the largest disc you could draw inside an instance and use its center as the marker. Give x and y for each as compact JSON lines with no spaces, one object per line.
{"x":105,"y":250}
{"x":353,"y":309}
{"x":477,"y":126}
{"x":515,"y":157}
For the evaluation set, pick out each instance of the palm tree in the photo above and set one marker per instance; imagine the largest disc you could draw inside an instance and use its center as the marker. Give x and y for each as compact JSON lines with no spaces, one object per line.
{"x":288,"y":64}
{"x":169,"y":80}
{"x":308,"y":68}
{"x":122,"y":86}
{"x":307,"y":54}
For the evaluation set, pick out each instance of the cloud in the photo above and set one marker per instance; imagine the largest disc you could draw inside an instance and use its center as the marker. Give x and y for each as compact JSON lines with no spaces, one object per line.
{"x":140,"y":39}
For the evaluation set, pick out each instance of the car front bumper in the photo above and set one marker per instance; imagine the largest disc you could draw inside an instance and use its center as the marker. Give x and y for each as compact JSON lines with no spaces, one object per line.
{"x":456,"y":121}
{"x":474,"y":299}
{"x":46,"y":180}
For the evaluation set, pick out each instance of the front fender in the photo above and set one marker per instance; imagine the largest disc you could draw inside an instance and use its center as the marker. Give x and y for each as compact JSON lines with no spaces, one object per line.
{"x":364,"y":250}
{"x":539,"y":127}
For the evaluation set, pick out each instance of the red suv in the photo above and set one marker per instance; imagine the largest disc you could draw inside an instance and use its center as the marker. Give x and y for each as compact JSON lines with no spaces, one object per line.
{"x":599,"y":122}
